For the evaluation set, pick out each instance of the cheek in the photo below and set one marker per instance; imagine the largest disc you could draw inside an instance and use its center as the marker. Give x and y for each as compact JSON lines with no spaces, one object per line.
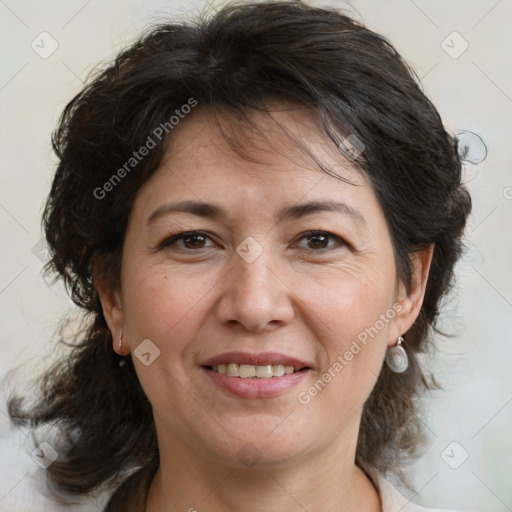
{"x":351,"y":316}
{"x":166,"y":309}
{"x":356,"y":315}
{"x":348,"y":302}
{"x":161,"y":305}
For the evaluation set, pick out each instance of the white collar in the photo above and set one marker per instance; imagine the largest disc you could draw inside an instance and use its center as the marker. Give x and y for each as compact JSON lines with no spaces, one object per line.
{"x":393,"y":501}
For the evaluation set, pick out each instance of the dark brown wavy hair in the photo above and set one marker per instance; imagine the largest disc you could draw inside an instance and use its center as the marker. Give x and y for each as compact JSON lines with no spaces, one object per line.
{"x":233,"y":61}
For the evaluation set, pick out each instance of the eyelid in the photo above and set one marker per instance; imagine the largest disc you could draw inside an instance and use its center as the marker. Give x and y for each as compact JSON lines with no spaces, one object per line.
{"x":315,"y":232}
{"x":171,"y":239}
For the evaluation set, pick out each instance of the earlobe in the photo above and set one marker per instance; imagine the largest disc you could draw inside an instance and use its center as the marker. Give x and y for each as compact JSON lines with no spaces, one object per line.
{"x":411,"y":297}
{"x":112,"y":311}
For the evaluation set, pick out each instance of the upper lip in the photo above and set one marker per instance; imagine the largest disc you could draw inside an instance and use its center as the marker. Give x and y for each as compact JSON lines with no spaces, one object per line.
{"x":261,"y":359}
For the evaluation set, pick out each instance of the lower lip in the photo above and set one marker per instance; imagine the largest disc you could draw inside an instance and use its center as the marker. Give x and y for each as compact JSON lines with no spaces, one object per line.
{"x":255,"y":387}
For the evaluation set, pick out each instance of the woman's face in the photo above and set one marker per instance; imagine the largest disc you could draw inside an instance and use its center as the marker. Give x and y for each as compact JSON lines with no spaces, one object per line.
{"x":247,"y":284}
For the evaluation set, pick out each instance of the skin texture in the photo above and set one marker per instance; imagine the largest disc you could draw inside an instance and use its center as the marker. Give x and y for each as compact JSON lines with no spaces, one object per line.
{"x":302,"y":296}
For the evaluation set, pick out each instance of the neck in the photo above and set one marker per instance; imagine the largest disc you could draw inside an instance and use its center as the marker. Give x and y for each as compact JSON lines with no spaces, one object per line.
{"x":329,"y":482}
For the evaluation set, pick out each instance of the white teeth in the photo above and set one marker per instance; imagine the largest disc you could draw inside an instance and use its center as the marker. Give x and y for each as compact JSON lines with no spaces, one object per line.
{"x":278,"y":370}
{"x":264,"y":372}
{"x":233,"y":370}
{"x":249,"y":371}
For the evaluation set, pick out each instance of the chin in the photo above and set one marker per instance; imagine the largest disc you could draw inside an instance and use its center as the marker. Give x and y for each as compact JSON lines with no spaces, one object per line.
{"x":260,"y":448}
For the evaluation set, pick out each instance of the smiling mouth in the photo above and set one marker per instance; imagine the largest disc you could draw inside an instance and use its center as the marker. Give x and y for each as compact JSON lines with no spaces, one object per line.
{"x":248,"y":371}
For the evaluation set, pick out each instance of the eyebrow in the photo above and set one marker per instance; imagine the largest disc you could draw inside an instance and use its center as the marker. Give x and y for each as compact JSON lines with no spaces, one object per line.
{"x":292,"y":212}
{"x":297,"y":211}
{"x":198,"y":208}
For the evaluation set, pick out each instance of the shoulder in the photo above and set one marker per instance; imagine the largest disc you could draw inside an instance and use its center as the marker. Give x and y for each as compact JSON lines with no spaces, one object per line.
{"x":392,"y":500}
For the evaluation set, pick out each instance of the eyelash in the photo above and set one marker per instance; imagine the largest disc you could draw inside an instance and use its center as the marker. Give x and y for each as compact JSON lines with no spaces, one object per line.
{"x":307,"y":234}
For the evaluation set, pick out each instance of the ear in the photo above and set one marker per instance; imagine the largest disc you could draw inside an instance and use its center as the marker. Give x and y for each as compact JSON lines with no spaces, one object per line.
{"x":411,"y":297}
{"x":112,"y":311}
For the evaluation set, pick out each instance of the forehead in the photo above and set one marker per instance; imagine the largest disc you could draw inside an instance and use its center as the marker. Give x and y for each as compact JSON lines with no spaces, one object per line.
{"x":268,"y":157}
{"x":283,"y":138}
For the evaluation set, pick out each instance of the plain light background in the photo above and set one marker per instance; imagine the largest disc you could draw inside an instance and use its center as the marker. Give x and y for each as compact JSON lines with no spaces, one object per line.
{"x":471,"y":87}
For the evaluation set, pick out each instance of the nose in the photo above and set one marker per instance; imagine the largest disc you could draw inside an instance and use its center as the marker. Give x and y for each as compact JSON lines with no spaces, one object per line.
{"x":255,"y":295}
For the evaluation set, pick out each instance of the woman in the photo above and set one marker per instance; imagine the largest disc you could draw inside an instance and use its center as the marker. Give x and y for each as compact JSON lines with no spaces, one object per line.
{"x":260,"y":212}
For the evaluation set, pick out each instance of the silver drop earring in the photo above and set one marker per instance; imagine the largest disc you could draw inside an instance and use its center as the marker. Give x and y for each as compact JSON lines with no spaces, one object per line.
{"x":122,"y":362}
{"x":396,"y":357}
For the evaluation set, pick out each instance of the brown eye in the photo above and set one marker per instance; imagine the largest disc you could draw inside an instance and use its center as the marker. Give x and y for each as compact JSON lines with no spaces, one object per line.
{"x":318,"y":240}
{"x":189,"y":241}
{"x":194,"y":241}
